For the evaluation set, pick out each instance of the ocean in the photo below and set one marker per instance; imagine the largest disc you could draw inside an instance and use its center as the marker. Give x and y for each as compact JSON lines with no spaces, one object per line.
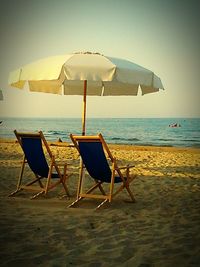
{"x":149,"y":131}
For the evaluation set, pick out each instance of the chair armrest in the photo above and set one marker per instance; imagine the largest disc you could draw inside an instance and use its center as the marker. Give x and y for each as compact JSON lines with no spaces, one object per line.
{"x":126,"y":167}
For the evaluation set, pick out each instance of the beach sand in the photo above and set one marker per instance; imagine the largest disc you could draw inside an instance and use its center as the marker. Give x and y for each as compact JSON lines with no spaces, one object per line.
{"x":161,"y":229}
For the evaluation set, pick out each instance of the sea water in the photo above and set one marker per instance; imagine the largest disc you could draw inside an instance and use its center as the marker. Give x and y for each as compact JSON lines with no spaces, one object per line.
{"x":144,"y":131}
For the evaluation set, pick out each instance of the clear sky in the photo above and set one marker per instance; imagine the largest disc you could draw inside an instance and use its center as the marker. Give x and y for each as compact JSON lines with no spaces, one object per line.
{"x":162,"y":36}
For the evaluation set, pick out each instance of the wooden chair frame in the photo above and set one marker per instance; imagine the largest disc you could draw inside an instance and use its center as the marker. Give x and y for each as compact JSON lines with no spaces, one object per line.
{"x":98,"y":184}
{"x":46,"y":187}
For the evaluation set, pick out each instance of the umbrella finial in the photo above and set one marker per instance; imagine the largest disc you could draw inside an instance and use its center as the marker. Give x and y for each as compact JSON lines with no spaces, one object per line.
{"x":88,"y":53}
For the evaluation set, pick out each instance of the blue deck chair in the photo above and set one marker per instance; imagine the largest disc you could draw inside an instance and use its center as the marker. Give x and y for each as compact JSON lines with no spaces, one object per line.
{"x":32,"y":146}
{"x":92,"y":151}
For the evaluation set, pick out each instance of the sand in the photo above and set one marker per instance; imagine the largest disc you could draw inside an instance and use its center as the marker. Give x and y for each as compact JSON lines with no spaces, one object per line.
{"x":161,"y":229}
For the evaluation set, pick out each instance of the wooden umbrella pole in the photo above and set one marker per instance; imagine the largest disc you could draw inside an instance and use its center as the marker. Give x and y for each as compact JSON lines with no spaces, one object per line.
{"x":81,"y":170}
{"x":84,"y":107}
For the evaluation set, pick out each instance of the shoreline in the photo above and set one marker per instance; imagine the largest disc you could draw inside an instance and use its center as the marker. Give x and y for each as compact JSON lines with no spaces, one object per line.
{"x":121,"y":146}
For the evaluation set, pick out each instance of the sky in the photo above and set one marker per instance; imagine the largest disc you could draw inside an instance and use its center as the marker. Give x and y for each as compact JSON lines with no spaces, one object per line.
{"x":162,"y":36}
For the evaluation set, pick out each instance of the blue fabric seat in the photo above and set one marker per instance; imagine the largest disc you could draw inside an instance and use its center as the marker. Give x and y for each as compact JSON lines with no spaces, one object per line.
{"x":34,"y":153}
{"x":95,"y":161}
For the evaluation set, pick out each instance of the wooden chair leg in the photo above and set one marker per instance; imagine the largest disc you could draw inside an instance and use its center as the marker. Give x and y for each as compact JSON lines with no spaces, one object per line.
{"x":102,"y":190}
{"x":75,"y":202}
{"x":20,"y":178}
{"x":81,"y":174}
{"x":130,"y":193}
{"x":21,"y":173}
{"x":36,"y":195}
{"x":101,"y":204}
{"x":39,"y":181}
{"x":129,"y":180}
{"x":63,"y":181}
{"x":48,"y":178}
{"x":112,"y":182}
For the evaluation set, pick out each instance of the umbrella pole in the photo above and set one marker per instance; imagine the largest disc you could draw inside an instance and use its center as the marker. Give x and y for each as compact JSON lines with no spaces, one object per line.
{"x":84,"y":107}
{"x":81,"y":171}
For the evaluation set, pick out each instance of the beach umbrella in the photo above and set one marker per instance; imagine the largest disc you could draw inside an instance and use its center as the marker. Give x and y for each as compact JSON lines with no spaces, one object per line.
{"x":86,"y":73}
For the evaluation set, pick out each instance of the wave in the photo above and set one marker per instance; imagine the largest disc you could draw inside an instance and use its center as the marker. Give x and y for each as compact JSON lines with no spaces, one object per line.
{"x":190,"y":140}
{"x":56,"y":133}
{"x":125,"y":139}
{"x":166,"y":139}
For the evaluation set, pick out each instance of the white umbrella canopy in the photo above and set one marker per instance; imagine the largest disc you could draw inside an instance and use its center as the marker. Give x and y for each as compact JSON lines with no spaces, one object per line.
{"x":86,"y":73}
